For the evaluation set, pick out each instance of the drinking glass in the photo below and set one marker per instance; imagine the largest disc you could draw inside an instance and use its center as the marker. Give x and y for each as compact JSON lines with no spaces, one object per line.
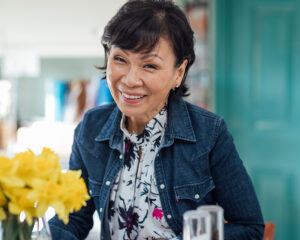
{"x":196,"y":225}
{"x":217,"y":220}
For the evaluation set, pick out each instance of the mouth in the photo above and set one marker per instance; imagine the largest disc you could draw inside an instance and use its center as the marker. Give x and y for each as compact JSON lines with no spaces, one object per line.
{"x":132,"y":98}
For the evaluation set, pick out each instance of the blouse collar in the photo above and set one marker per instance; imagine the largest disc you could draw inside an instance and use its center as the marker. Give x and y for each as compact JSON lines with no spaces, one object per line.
{"x":153,"y":127}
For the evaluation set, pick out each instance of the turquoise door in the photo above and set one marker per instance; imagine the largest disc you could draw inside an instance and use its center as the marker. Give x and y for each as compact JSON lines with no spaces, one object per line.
{"x":257,"y":76}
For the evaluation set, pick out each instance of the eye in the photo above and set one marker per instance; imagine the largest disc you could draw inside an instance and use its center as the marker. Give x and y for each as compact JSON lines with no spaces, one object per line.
{"x":119,"y":59}
{"x":150,"y":66}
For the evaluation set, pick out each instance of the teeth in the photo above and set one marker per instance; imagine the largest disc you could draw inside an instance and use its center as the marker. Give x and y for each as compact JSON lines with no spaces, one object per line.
{"x":131,"y":96}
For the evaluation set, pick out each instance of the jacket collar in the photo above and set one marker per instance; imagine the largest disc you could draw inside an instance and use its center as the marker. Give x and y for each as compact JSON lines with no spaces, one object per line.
{"x":111,"y":130}
{"x":179,"y":125}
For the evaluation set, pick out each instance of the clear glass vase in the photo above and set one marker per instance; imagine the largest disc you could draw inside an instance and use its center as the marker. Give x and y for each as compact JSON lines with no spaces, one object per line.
{"x":41,"y":230}
{"x":12,"y":228}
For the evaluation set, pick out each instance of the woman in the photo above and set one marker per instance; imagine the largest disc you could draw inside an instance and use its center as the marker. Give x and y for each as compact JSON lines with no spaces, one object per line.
{"x":151,"y":156}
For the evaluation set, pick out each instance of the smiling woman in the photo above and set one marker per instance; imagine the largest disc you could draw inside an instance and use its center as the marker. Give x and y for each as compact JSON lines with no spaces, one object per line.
{"x":141,"y":82}
{"x":151,"y":156}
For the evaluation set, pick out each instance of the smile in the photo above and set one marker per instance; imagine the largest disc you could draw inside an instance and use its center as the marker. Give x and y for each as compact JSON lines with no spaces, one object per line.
{"x":132,"y":96}
{"x":132,"y":99}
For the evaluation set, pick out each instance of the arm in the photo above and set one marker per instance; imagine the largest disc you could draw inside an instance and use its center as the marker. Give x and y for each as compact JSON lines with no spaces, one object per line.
{"x":234,"y":190}
{"x":80,"y":222}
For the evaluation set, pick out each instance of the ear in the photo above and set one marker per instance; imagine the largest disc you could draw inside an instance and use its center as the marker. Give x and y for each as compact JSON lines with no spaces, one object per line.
{"x":180,"y":72}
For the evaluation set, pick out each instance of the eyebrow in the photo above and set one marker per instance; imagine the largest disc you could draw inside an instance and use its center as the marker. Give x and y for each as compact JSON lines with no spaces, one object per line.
{"x":144,"y":56}
{"x":151,"y":56}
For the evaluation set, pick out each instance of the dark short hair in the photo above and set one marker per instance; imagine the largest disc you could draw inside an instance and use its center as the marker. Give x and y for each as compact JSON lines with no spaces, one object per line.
{"x":138,"y":26}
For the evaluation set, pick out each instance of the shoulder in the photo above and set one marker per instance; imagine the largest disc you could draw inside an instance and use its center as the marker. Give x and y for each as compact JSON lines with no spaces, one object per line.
{"x":94,"y":120}
{"x":202,"y":116}
{"x":207,"y":125}
{"x":98,"y":113}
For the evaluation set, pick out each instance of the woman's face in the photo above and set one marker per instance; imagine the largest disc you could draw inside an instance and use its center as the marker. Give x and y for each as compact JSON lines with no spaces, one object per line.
{"x":140,"y":82}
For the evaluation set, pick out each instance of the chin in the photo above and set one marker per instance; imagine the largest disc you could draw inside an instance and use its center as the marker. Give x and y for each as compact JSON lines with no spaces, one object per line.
{"x":130,"y":113}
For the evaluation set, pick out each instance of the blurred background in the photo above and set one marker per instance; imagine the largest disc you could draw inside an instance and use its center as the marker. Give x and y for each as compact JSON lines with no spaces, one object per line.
{"x":247,"y":70}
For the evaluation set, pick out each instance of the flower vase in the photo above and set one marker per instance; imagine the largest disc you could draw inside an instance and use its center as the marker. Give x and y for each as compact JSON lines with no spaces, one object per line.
{"x":12,"y":228}
{"x":41,"y":230}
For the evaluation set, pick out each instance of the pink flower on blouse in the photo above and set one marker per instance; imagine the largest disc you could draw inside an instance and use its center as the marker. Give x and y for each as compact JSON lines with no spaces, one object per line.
{"x":157,"y":213}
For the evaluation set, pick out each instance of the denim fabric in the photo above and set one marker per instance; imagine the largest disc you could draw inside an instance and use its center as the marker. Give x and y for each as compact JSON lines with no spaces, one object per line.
{"x":197,"y":164}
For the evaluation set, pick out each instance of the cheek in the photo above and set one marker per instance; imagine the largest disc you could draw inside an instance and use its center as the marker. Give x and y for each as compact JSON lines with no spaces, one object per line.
{"x":108,"y":70}
{"x":164,"y":83}
{"x":112,"y":76}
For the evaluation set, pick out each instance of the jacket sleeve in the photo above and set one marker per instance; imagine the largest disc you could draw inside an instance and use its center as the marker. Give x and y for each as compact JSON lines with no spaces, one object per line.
{"x":234,"y":190}
{"x":81,"y":222}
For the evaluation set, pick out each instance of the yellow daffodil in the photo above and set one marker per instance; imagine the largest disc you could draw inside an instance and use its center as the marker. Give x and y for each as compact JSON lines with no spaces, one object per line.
{"x":76,"y":194}
{"x":47,"y":165}
{"x":8,"y":168}
{"x":25,"y":162}
{"x":31,"y":183}
{"x":47,"y":194}
{"x":74,"y":197}
{"x":20,"y":202}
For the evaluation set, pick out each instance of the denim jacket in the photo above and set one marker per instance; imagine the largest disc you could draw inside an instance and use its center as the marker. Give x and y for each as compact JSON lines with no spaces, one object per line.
{"x":197,"y":164}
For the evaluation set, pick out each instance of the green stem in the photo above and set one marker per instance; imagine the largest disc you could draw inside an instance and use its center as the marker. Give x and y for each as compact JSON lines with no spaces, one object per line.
{"x":13,"y":229}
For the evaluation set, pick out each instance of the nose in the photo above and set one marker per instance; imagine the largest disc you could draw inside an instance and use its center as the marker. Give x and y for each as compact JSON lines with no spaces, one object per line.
{"x":132,"y":77}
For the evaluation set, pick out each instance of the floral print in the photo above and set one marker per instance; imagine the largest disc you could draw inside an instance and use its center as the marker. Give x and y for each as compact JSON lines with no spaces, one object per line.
{"x":129,"y":154}
{"x":128,"y":220}
{"x":135,"y":210}
{"x":157,"y":213}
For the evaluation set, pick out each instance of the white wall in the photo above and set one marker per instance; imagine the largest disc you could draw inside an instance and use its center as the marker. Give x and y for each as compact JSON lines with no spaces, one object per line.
{"x":56,"y":27}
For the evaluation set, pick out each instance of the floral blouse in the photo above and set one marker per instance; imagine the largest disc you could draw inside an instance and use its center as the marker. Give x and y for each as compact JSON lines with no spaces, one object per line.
{"x":135,"y":210}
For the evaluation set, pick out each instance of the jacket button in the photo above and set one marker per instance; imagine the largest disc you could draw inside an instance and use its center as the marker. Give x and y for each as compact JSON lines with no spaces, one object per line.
{"x":107,"y":183}
{"x":169,"y":216}
{"x":162,"y":186}
{"x":100,"y":210}
{"x":91,"y":192}
{"x":157,"y":155}
{"x":197,"y":196}
{"x":120,"y":156}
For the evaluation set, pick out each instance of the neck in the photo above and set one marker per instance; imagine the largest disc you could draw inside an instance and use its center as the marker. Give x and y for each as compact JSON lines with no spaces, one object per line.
{"x":135,"y":126}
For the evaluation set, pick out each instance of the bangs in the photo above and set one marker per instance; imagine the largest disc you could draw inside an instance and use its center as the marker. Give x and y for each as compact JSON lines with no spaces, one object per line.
{"x":138,"y":36}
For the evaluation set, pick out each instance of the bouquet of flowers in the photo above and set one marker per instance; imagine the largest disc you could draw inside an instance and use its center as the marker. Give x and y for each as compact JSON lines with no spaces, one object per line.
{"x":29,"y":184}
